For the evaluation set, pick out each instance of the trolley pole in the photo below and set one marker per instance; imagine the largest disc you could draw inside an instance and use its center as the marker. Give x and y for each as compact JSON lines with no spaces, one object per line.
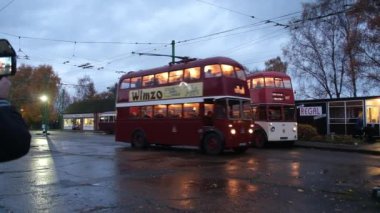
{"x":173,"y":51}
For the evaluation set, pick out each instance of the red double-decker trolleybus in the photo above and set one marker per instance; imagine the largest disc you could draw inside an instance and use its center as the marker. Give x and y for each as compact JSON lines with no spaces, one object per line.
{"x":203,"y":103}
{"x":273,"y":108}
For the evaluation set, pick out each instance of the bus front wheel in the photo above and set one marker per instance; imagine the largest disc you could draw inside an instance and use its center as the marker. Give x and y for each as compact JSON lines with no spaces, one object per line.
{"x":212,"y":144}
{"x":139,"y":140}
{"x":260,"y":139}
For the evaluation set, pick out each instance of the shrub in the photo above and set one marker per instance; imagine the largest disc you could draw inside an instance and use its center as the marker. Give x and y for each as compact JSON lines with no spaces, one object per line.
{"x":306,"y":132}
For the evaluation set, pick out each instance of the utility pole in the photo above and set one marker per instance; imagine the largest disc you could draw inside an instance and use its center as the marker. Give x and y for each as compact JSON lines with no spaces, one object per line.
{"x":173,"y":51}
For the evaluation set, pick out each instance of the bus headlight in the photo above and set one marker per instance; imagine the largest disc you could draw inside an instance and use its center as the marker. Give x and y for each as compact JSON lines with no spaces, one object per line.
{"x":250,"y":131}
{"x":295,"y":129}
{"x":233,"y":131}
{"x":272,"y":129}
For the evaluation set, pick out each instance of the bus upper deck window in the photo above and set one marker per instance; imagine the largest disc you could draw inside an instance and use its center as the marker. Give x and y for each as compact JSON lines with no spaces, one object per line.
{"x":212,"y":71}
{"x":258,"y":83}
{"x":148,"y":80}
{"x":269,"y":82}
{"x":175,"y":76}
{"x":193,"y":73}
{"x":240,"y":73}
{"x":161,"y":78}
{"x":136,"y":82}
{"x":228,"y":71}
{"x":125,"y":84}
{"x":278,"y":82}
{"x":287,"y":83}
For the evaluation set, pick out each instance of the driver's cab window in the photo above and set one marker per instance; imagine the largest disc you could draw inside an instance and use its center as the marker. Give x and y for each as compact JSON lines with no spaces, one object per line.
{"x":220,"y":109}
{"x":234,"y":109}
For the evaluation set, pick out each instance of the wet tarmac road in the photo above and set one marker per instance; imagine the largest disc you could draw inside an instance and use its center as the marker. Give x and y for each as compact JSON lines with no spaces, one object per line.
{"x":88,"y":172}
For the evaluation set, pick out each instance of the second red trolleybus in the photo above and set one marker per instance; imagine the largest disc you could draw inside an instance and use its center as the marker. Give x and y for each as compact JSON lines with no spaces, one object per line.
{"x":203,"y":103}
{"x":273,"y":108}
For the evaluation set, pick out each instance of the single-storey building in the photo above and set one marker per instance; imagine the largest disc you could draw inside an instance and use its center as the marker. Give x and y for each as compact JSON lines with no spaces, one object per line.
{"x":86,"y":115}
{"x":339,"y":116}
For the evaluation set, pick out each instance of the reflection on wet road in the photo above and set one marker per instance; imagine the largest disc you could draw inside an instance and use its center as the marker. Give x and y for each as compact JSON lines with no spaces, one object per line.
{"x":87,"y":172}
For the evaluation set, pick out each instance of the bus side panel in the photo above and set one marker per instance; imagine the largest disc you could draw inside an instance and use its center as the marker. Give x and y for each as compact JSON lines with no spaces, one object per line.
{"x":161,"y":131}
{"x":185,"y":132}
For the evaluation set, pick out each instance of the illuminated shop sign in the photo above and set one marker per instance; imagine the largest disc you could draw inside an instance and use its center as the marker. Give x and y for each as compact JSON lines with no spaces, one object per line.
{"x":310,"y":111}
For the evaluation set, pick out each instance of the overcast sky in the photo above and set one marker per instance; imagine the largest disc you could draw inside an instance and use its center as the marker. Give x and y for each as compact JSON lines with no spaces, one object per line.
{"x":103,"y":33}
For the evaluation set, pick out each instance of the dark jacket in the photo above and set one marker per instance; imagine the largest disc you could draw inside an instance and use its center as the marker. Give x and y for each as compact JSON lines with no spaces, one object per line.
{"x":14,"y":134}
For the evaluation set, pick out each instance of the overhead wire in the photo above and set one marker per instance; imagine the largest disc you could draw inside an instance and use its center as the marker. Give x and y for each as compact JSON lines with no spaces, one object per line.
{"x":6,"y":5}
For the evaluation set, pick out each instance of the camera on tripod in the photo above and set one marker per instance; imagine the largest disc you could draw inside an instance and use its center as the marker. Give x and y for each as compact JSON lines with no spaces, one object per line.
{"x":7,"y":59}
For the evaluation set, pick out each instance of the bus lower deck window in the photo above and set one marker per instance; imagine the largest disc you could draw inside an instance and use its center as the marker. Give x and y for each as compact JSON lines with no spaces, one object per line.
{"x":191,"y":110}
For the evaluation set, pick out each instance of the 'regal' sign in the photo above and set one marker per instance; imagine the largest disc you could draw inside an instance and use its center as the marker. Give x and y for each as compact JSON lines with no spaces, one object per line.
{"x":310,"y":111}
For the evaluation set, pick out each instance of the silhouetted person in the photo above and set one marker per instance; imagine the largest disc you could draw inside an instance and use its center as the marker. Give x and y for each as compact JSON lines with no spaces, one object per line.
{"x":359,"y":126}
{"x":14,"y":134}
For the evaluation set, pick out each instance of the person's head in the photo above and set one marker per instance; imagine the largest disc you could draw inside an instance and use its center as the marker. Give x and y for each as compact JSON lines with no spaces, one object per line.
{"x":5,"y":84}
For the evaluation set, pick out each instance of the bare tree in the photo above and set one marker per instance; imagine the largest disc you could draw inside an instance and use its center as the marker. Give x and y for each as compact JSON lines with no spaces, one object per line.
{"x":85,"y":89}
{"x":326,"y":49}
{"x":276,"y":64}
{"x":367,"y":14}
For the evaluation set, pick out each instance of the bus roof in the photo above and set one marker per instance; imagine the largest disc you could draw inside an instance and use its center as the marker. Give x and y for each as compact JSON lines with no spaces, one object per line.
{"x":183,"y":65}
{"x":268,"y":73}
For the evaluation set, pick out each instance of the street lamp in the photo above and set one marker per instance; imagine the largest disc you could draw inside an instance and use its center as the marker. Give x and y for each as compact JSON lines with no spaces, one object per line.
{"x":44,"y":99}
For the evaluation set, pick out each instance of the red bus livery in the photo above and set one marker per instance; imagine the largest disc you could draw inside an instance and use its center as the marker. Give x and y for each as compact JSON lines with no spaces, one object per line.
{"x":273,"y":108}
{"x":203,"y":103}
{"x":107,"y":122}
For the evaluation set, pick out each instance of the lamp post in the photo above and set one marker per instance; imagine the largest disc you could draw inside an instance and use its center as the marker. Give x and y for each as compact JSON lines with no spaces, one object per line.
{"x":44,"y":99}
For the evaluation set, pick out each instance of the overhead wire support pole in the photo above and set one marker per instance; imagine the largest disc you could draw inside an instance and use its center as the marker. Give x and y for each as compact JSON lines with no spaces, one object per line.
{"x":173,"y":51}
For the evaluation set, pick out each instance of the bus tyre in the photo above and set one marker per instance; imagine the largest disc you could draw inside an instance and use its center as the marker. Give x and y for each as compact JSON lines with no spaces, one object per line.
{"x":212,"y":144}
{"x":260,"y":139}
{"x":139,"y":140}
{"x":240,"y":150}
